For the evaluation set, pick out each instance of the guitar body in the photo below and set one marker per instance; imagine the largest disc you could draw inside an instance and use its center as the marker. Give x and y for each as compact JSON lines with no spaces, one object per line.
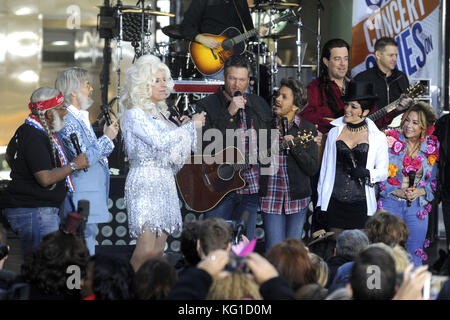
{"x":210,"y":61}
{"x":202,"y":186}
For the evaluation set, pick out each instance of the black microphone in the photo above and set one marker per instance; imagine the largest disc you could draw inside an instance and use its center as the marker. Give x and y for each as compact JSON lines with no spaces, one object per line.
{"x":241,"y":226}
{"x":412,"y":177}
{"x":352,"y":159}
{"x":228,"y":44}
{"x":284,"y":121}
{"x":106,"y":115}
{"x":238,"y":94}
{"x":76,"y":145}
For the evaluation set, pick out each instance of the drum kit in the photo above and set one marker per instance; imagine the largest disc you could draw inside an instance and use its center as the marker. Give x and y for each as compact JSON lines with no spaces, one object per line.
{"x":134,"y":24}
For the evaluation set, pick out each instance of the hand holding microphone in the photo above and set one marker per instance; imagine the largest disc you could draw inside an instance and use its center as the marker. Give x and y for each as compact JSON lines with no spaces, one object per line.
{"x":81,"y":161}
{"x":237,"y":104}
{"x":411,"y":178}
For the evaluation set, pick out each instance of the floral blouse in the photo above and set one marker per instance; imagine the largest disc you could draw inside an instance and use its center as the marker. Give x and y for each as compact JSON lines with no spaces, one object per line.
{"x":400,"y":164}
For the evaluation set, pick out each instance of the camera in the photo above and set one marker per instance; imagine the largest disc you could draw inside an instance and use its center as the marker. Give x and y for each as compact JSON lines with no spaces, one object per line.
{"x":237,"y":264}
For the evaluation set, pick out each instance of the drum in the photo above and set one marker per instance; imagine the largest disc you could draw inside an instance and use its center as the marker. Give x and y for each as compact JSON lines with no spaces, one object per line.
{"x":181,"y":66}
{"x":252,"y":49}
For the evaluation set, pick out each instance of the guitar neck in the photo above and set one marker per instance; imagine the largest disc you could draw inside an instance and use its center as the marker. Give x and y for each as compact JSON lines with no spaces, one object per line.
{"x":383,"y":111}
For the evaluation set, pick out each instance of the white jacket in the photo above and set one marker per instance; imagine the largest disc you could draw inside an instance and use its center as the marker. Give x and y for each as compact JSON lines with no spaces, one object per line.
{"x":377,"y":164}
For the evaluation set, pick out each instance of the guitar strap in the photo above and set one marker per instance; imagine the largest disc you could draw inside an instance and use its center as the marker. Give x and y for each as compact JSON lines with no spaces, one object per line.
{"x":239,"y":15}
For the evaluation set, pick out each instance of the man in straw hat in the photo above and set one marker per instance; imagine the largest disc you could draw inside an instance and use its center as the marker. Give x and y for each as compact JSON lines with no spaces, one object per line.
{"x":40,"y":171}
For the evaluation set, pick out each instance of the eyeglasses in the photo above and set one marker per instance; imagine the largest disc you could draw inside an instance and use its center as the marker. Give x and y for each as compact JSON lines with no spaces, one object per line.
{"x":89,"y":86}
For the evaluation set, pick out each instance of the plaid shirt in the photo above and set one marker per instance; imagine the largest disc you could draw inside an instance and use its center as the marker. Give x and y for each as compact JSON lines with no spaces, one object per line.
{"x":251,"y":176}
{"x":278,"y":197}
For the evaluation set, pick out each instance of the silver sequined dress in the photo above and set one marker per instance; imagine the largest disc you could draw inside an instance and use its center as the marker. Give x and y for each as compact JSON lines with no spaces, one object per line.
{"x":156,"y":151}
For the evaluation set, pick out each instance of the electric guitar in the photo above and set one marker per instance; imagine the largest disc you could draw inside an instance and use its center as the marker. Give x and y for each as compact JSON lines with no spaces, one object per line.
{"x":206,"y":180}
{"x":210,"y":61}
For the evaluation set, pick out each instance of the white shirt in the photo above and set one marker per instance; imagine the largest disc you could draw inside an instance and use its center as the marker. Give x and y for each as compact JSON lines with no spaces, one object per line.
{"x":82,"y":115}
{"x":377,"y":164}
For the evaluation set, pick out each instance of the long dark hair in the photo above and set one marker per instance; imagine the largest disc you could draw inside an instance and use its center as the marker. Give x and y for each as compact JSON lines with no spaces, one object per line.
{"x":324,"y":77}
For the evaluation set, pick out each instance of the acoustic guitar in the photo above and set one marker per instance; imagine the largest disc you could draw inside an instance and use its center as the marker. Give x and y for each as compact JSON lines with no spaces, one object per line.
{"x":412,"y":92}
{"x":206,"y":180}
{"x":210,"y":61}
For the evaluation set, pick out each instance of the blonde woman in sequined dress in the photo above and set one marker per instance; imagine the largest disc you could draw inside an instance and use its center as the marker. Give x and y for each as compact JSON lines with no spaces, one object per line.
{"x":156,"y":148}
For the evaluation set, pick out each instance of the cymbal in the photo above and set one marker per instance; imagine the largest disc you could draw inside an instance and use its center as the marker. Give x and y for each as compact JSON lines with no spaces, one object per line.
{"x":275,"y":6}
{"x":279,"y":36}
{"x":135,"y":9}
{"x":173,"y":31}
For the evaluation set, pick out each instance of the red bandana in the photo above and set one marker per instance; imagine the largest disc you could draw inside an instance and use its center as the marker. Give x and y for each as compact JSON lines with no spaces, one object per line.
{"x":47,"y":104}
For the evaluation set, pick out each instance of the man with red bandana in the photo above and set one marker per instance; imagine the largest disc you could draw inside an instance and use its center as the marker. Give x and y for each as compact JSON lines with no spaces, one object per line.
{"x":40,"y":172}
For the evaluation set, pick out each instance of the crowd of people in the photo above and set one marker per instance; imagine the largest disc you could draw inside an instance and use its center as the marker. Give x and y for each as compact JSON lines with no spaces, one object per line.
{"x":371,"y":187}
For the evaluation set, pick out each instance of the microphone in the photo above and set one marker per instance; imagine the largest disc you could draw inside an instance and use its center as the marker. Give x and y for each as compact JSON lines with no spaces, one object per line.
{"x":284,"y":121}
{"x":105,"y":113}
{"x":76,"y":145}
{"x":412,"y":177}
{"x":238,"y":94}
{"x":228,"y":44}
{"x":241,"y":225}
{"x":75,"y":221}
{"x":352,"y":159}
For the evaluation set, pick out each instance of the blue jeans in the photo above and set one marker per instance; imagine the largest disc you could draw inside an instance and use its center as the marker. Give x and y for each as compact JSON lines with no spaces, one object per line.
{"x":233,"y":206}
{"x":32,"y":224}
{"x":278,"y":227}
{"x":417,"y":227}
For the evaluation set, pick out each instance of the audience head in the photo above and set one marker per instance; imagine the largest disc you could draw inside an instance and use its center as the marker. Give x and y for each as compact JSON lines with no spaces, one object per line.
{"x":4,"y":248}
{"x":154,"y":279}
{"x":109,"y":278}
{"x":388,"y":228}
{"x":188,"y":242}
{"x":350,"y":243}
{"x":45,"y":268}
{"x":234,"y":286}
{"x":76,"y":88}
{"x":321,"y":269}
{"x":373,"y":275}
{"x":214,"y":234}
{"x":291,"y":258}
{"x":312,"y":291}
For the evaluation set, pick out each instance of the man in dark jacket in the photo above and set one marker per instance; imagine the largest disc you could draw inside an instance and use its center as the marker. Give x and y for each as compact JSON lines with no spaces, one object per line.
{"x":389,"y":82}
{"x":242,"y":119}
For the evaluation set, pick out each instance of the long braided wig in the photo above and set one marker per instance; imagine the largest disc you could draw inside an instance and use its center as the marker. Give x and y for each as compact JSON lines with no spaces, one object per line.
{"x":42,"y":94}
{"x":324,"y":77}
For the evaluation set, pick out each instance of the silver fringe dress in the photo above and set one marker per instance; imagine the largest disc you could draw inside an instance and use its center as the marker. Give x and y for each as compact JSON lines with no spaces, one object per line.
{"x":155,"y":152}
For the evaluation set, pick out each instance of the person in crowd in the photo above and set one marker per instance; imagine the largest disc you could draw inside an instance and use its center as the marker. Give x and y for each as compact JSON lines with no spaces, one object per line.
{"x":285,"y":204}
{"x":234,"y":286}
{"x":156,"y":150}
{"x":312,"y":291}
{"x":348,"y":246}
{"x":443,"y":135}
{"x":290,"y":257}
{"x":213,"y":234}
{"x":40,"y":170}
{"x":196,"y":282}
{"x":390,"y":83}
{"x":108,"y":278}
{"x":373,"y":262}
{"x":387,"y":228}
{"x":91,"y":184}
{"x":49,"y":268}
{"x":188,"y":245}
{"x":154,"y":279}
{"x":409,"y":189}
{"x":245,"y":122}
{"x":322,"y":269}
{"x":413,"y":283}
{"x":355,"y":158}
